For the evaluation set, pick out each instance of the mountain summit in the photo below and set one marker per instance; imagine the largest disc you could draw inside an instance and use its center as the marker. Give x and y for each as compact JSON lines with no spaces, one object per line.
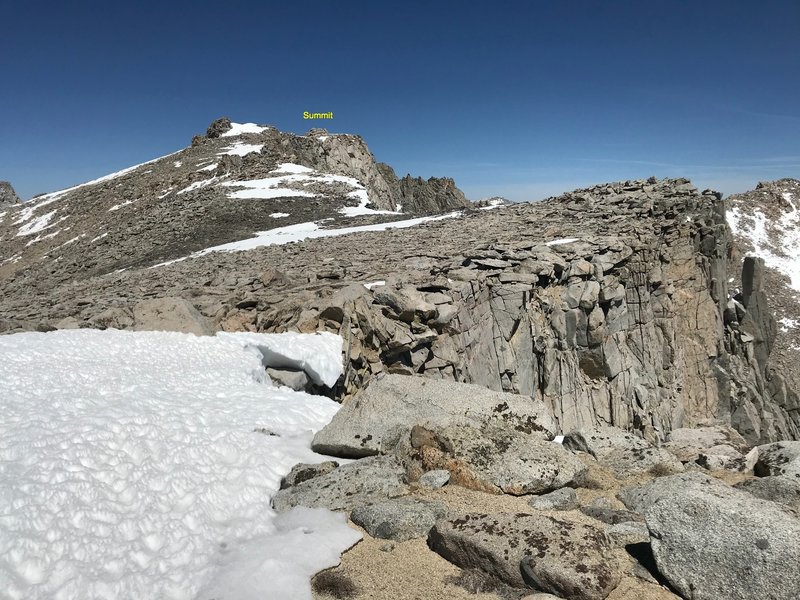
{"x":8,"y":197}
{"x":237,"y":179}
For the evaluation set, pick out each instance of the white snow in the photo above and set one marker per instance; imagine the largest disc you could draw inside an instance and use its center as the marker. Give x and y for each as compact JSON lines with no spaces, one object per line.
{"x":177,"y":164}
{"x":559,"y":439}
{"x":129,"y":467}
{"x":373,"y":284}
{"x":322,"y":138}
{"x":305,"y":231}
{"x":164,"y":195}
{"x":561,"y":241}
{"x":776,"y":241}
{"x":292,"y":168}
{"x":39,"y":238}
{"x":199,"y":184}
{"x":99,"y":237}
{"x":318,"y":355}
{"x":787,"y":324}
{"x":210,"y":167}
{"x":116,"y":207}
{"x":37,"y":225}
{"x":493,"y":203}
{"x":264,"y":189}
{"x":3,"y":214}
{"x":241,"y":149}
{"x":240,"y":128}
{"x":278,"y":215}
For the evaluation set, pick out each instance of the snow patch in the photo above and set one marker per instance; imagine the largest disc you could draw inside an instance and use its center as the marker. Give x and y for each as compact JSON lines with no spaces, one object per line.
{"x":177,"y":164}
{"x":98,"y":238}
{"x":278,"y":215}
{"x":199,"y":184}
{"x":36,"y":225}
{"x":373,"y":284}
{"x":240,"y":128}
{"x":130,"y":467}
{"x":210,"y":167}
{"x":560,"y":241}
{"x":116,"y":207}
{"x":241,"y":149}
{"x":305,"y":231}
{"x":788,"y":324}
{"x":292,"y":168}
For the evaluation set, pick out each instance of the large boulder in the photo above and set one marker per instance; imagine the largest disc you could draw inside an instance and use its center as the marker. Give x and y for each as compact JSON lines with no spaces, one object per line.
{"x":779,"y":458}
{"x":714,"y":542}
{"x":718,"y":445}
{"x":359,"y":483}
{"x":170,"y":314}
{"x":496,"y":458}
{"x":548,"y":554}
{"x":624,"y":453}
{"x":372,"y":421}
{"x":783,"y":490}
{"x":398,"y":519}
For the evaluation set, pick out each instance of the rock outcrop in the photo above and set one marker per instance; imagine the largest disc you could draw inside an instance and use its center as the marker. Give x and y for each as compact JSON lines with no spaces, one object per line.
{"x":609,"y":306}
{"x":8,"y":197}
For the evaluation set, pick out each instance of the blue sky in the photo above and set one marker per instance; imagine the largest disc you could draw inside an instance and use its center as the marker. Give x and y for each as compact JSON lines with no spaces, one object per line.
{"x":521,"y":99}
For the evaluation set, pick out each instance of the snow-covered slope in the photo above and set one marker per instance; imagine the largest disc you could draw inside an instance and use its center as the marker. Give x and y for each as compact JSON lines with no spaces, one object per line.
{"x":141,"y":465}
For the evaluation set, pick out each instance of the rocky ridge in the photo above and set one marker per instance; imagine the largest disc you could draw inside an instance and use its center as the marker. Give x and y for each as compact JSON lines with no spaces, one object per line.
{"x":230,"y":183}
{"x":8,"y":197}
{"x":610,"y":305}
{"x":765,"y":223}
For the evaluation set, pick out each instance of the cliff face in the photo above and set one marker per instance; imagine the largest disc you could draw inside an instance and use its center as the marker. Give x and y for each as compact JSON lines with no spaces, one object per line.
{"x":610,"y":304}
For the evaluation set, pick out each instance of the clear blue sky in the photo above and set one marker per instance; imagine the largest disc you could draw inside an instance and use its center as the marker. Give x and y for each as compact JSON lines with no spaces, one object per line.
{"x":522,"y":99}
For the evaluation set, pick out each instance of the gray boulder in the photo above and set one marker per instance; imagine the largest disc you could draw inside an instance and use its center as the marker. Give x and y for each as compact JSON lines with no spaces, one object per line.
{"x":304,"y":471}
{"x":291,"y":378}
{"x":611,"y":516}
{"x":355,"y":484}
{"x":398,"y":519}
{"x":688,"y":444}
{"x":624,"y":453}
{"x":714,"y":542}
{"x":496,"y":458}
{"x":437,"y":478}
{"x":170,"y":314}
{"x":629,"y":532}
{"x":779,"y":458}
{"x":782,"y":490}
{"x":548,"y":554}
{"x":563,"y":499}
{"x":371,"y":422}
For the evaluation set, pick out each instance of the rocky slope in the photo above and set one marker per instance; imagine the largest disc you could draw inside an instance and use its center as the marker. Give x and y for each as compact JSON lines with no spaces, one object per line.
{"x":232,"y":182}
{"x":609,"y":304}
{"x":766,"y":223}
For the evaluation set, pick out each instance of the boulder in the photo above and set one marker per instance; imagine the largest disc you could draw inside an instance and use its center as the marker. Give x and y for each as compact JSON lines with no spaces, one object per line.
{"x":563,"y":499}
{"x":778,"y":458}
{"x":715,"y":542}
{"x":295,"y":379}
{"x":437,"y":478}
{"x":624,"y":453}
{"x":170,"y":314}
{"x":372,"y":421}
{"x":398,"y":519}
{"x":304,"y":471}
{"x":689,"y":443}
{"x":496,"y":458}
{"x":355,"y":484}
{"x":611,"y":516}
{"x":629,"y":532}
{"x":782,"y":490}
{"x":545,"y":553}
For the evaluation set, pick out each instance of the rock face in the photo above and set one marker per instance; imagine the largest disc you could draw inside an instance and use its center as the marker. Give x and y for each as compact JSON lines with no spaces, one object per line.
{"x":780,"y":458}
{"x":764,"y":223}
{"x":608,"y":305}
{"x":372,"y":421}
{"x":8,"y":197}
{"x":714,"y":542}
{"x":545,"y":553}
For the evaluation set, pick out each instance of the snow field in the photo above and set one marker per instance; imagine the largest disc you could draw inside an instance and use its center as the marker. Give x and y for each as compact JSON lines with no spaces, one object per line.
{"x":130,"y":468}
